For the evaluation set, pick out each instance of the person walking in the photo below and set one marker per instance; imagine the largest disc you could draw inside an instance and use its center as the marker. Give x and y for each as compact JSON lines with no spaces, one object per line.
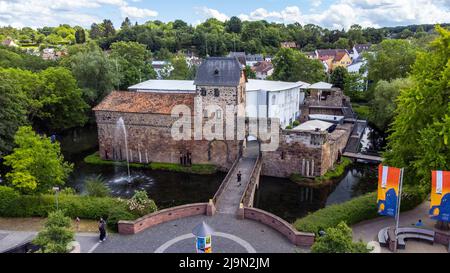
{"x":102,"y":229}
{"x":239,"y":176}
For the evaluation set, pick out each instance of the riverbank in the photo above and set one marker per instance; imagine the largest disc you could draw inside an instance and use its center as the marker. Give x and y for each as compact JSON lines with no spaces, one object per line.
{"x":202,"y":169}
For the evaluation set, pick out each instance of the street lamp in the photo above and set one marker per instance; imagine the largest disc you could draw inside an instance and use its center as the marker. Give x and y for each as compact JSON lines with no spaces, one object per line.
{"x":56,"y":190}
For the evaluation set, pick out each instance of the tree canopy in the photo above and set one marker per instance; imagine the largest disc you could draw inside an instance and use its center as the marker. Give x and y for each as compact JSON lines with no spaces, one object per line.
{"x":292,"y":66}
{"x":37,"y":164}
{"x":419,"y":139}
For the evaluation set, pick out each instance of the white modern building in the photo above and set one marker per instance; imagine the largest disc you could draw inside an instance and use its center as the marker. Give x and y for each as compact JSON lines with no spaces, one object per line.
{"x":275,"y":99}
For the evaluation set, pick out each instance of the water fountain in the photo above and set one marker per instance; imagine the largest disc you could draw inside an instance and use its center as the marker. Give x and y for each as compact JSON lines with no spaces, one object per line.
{"x":120,"y":128}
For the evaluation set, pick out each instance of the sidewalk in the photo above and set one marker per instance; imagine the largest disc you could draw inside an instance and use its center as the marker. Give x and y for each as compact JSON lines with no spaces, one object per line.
{"x":10,"y":239}
{"x":368,"y":230}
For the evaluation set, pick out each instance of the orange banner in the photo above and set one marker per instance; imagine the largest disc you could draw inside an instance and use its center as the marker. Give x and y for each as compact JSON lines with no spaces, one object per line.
{"x":440,"y":196}
{"x":388,"y":190}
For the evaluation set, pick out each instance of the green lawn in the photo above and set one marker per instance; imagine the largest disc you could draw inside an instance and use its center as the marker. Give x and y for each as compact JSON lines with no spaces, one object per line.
{"x":172,"y":167}
{"x":361,"y":110}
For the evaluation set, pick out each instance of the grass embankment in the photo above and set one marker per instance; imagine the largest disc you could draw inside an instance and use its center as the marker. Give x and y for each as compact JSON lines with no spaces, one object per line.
{"x":328,"y":177}
{"x":203,"y":169}
{"x":354,"y":211}
{"x":361,"y":110}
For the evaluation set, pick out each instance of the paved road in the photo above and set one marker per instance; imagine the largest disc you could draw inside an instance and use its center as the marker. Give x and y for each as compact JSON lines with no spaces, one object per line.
{"x":233,"y":236}
{"x":368,"y":230}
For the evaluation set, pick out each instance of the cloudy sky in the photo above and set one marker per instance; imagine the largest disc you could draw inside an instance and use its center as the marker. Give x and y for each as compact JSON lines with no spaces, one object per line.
{"x":327,"y":13}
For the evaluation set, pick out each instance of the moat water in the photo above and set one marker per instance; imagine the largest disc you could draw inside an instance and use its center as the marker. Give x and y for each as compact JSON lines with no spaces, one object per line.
{"x":282,"y":197}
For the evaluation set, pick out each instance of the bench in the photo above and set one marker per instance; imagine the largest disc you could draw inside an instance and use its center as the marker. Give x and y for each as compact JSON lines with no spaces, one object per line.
{"x":383,"y":237}
{"x":387,"y":234}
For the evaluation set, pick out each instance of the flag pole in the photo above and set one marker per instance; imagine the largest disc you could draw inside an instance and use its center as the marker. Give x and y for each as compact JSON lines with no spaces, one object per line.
{"x":397,"y":215}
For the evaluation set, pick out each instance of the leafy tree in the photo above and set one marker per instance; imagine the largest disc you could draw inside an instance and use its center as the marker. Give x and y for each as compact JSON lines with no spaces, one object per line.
{"x":291,"y":65}
{"x":249,"y":72}
{"x":16,"y":58}
{"x":133,"y":60}
{"x":80,"y":36}
{"x":354,"y":86}
{"x":59,"y":102}
{"x":56,"y":235}
{"x":338,"y":76}
{"x":181,"y":70}
{"x":108,"y":28}
{"x":37,"y":164}
{"x":126,"y":23}
{"x":96,"y":31}
{"x":95,"y":72}
{"x":343,"y":43}
{"x":233,"y":25}
{"x":338,"y":240}
{"x":419,"y":139}
{"x":13,"y":110}
{"x":384,"y":103}
{"x":391,"y":59}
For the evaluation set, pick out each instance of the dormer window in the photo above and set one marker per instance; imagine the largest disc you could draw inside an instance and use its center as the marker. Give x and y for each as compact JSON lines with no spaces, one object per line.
{"x":216,"y":72}
{"x":203,"y":92}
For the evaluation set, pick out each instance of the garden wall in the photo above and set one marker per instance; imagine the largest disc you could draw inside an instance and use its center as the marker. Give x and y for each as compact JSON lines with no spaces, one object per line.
{"x":162,"y":216}
{"x":275,"y":222}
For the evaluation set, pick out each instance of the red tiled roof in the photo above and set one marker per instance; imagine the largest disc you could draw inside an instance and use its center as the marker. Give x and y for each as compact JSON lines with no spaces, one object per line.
{"x":339,"y":56}
{"x":262,"y":67}
{"x":144,"y":102}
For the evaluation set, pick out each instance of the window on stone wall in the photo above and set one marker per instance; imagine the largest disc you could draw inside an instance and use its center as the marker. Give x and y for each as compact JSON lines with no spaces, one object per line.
{"x":216,"y":92}
{"x":274,"y":100}
{"x":203,"y":91}
{"x":218,"y":114}
{"x":282,"y":155}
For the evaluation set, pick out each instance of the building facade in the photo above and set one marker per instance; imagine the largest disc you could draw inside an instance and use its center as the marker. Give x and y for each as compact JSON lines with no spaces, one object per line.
{"x":148,"y":123}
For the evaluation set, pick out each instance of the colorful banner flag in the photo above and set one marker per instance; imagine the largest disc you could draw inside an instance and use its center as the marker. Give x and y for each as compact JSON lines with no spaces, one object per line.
{"x":388,"y":189}
{"x":440,"y":196}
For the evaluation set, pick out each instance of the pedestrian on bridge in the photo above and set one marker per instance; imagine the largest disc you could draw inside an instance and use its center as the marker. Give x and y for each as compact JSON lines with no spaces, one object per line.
{"x":239,"y":175}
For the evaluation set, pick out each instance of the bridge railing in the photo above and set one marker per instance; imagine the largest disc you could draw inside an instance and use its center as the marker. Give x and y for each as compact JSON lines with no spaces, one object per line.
{"x":254,"y":176}
{"x":225,"y":180}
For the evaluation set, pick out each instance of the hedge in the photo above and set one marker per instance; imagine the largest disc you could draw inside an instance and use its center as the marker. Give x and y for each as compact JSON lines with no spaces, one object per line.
{"x":13,"y":204}
{"x":354,"y":211}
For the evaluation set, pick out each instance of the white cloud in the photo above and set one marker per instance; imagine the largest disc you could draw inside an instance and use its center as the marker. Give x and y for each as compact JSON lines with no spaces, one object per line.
{"x":37,"y":13}
{"x":212,"y":13}
{"x":134,"y":12}
{"x":316,"y":3}
{"x":367,"y":13}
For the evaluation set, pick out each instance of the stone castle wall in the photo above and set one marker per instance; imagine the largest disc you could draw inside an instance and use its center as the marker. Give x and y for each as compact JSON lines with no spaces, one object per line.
{"x":150,"y":140}
{"x":309,"y":154}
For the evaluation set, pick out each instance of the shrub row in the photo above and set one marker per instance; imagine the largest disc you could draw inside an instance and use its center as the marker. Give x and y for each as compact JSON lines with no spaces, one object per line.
{"x":13,"y":204}
{"x":354,"y":211}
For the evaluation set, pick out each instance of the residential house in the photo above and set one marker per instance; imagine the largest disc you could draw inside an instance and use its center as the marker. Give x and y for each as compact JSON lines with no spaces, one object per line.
{"x":162,"y":68}
{"x":288,"y":45}
{"x":334,"y":58}
{"x":263,"y":70}
{"x":9,"y":42}
{"x":358,"y":49}
{"x":240,"y":56}
{"x":253,"y":59}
